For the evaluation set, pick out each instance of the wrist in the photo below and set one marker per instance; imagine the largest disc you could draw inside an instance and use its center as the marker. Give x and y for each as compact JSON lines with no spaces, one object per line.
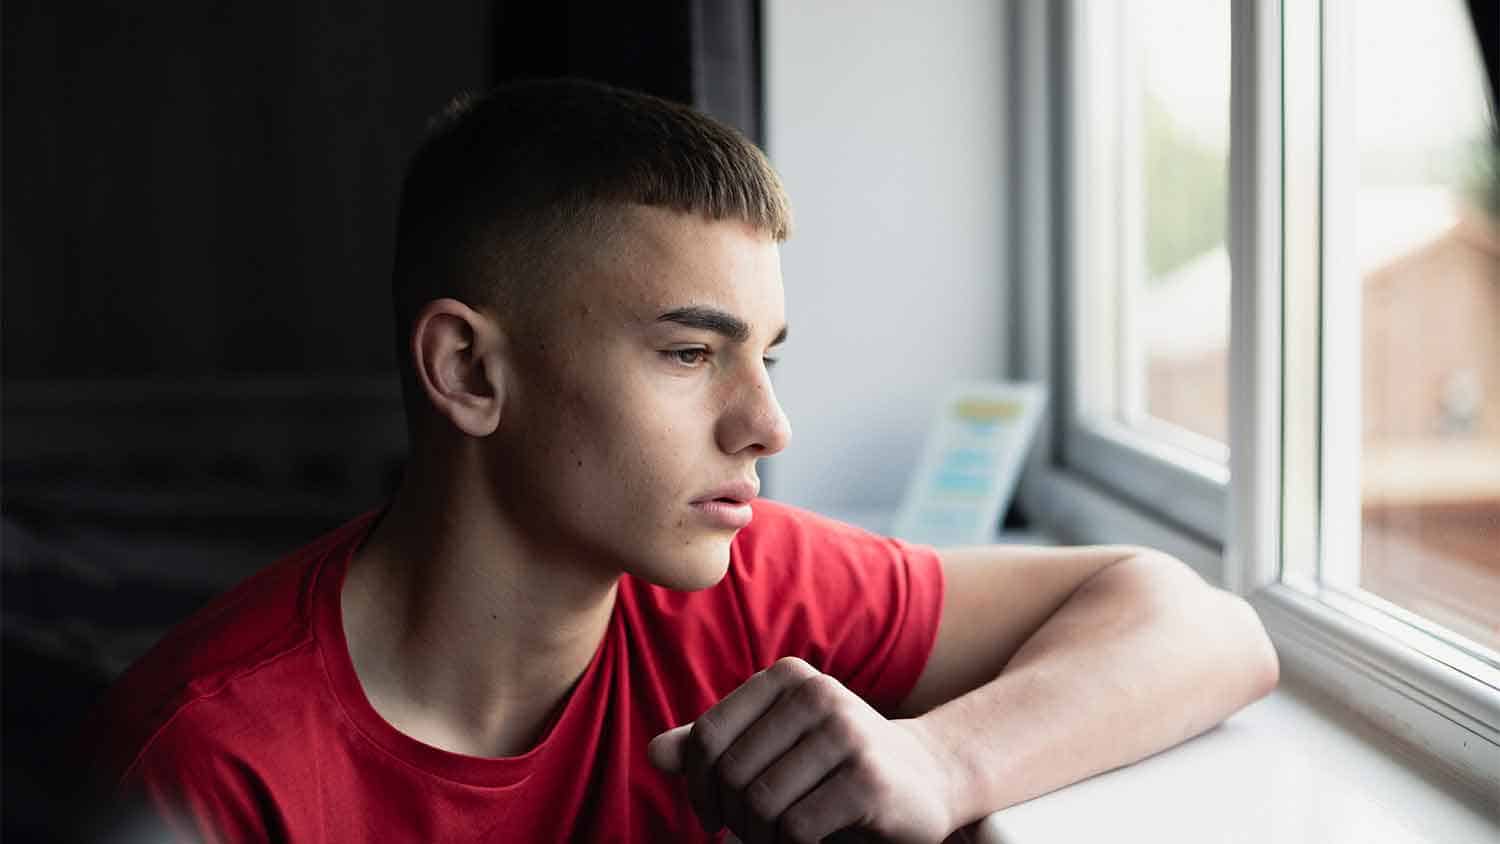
{"x":953,"y":782}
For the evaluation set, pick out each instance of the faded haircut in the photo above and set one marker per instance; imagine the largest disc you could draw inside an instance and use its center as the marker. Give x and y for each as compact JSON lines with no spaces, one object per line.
{"x":506,"y":187}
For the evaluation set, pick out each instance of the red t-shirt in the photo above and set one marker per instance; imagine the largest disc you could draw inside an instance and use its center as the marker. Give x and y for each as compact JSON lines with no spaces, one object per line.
{"x":248,"y":723}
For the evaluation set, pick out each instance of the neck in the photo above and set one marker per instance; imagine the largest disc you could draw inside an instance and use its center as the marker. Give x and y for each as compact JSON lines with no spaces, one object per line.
{"x":464,"y":634}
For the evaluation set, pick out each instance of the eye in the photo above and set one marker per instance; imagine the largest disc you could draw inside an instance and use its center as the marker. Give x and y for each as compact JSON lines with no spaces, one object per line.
{"x":769,"y":361}
{"x":687,"y":357}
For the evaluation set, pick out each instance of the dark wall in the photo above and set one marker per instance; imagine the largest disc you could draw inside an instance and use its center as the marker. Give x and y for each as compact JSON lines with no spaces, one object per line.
{"x":703,"y":52}
{"x":197,"y":189}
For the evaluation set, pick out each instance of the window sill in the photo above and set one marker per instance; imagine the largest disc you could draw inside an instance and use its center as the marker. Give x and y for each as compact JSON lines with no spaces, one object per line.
{"x":1448,"y":718}
{"x":1294,"y":767}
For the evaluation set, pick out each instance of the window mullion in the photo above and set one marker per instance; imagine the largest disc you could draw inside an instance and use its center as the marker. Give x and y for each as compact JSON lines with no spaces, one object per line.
{"x":1339,"y":390}
{"x":1255,"y":226}
{"x":1130,"y":222}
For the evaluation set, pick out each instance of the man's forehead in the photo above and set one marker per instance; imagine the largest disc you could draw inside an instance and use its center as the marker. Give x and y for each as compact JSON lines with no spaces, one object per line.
{"x":661,"y":261}
{"x":667,"y":240}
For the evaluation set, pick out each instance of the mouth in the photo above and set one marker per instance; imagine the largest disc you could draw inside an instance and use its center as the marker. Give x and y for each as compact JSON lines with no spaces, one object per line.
{"x":728,"y":506}
{"x":725,"y":513}
{"x":734,"y":493}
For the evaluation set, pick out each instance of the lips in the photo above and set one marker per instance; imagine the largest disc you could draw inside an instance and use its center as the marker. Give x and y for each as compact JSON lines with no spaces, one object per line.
{"x":737,"y":492}
{"x":728,"y":506}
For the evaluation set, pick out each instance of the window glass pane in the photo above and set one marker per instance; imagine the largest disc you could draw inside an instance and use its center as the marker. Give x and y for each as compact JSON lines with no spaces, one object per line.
{"x":1182,"y":306}
{"x":1423,"y":198}
{"x":1153,"y":201}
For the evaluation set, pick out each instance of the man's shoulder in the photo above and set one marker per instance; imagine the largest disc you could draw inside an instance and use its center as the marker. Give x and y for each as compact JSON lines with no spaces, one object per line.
{"x":233,"y":660}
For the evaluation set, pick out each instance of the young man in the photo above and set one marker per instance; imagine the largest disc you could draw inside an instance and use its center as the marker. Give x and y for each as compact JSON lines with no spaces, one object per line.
{"x":574,"y":621}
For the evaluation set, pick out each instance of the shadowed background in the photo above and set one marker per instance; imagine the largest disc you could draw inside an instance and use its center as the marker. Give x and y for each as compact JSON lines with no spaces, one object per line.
{"x":199,"y":201}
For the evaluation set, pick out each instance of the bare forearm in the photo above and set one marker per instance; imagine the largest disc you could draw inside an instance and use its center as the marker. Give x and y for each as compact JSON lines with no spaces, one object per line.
{"x":1142,"y":656}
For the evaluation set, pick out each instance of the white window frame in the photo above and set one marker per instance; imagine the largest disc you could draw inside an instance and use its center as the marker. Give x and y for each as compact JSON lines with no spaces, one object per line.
{"x":1432,"y":699}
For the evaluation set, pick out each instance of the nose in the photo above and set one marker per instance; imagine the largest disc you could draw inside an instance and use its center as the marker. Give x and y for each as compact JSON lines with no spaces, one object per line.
{"x":753,"y":419}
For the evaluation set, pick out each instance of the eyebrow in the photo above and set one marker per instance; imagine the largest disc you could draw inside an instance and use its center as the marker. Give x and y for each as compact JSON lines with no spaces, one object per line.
{"x":717,"y":321}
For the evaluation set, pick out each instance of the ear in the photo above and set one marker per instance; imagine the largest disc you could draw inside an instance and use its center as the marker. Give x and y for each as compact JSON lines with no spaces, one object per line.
{"x":457,"y":355}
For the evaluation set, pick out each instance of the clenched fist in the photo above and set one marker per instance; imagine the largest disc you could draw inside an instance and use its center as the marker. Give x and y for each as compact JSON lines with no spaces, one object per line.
{"x":792,"y":755}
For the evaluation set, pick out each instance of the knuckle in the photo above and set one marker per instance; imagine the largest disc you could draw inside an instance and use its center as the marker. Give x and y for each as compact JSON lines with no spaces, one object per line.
{"x":703,"y":737}
{"x":761,"y":797}
{"x":820,"y":693}
{"x":842,"y":733}
{"x":732,"y":769}
{"x":791,"y":669}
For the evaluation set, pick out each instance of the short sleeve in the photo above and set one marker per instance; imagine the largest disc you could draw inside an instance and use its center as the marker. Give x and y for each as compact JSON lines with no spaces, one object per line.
{"x":188,"y":788}
{"x":858,"y":606}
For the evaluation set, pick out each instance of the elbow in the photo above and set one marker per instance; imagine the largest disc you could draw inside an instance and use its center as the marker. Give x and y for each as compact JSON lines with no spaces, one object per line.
{"x":1243,"y":644}
{"x":1262,"y":666}
{"x":1218,"y":619}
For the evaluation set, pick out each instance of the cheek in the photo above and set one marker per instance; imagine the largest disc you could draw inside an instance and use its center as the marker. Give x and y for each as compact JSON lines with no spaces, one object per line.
{"x":613,"y":447}
{"x":614,"y":444}
{"x":643,"y":459}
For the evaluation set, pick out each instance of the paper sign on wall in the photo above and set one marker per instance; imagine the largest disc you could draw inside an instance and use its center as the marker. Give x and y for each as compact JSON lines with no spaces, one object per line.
{"x":970,"y":464}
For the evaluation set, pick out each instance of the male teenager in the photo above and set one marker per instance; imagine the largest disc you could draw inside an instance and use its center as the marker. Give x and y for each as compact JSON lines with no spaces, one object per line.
{"x":575,"y":621}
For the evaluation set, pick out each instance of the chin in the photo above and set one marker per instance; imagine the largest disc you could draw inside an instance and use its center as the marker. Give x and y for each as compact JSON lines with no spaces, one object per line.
{"x":691,"y":569}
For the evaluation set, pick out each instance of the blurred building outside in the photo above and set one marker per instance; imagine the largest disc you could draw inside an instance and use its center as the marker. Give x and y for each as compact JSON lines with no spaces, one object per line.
{"x":1430,"y":380}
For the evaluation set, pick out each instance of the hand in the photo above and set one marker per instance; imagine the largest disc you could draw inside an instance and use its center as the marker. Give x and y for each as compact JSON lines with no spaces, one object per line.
{"x":792,"y":755}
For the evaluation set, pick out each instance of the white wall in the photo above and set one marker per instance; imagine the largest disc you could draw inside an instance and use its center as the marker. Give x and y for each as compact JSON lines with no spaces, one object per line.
{"x":886,"y":122}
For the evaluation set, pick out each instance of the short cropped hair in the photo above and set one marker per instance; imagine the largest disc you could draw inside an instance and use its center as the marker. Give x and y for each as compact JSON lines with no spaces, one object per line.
{"x":506,"y":184}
